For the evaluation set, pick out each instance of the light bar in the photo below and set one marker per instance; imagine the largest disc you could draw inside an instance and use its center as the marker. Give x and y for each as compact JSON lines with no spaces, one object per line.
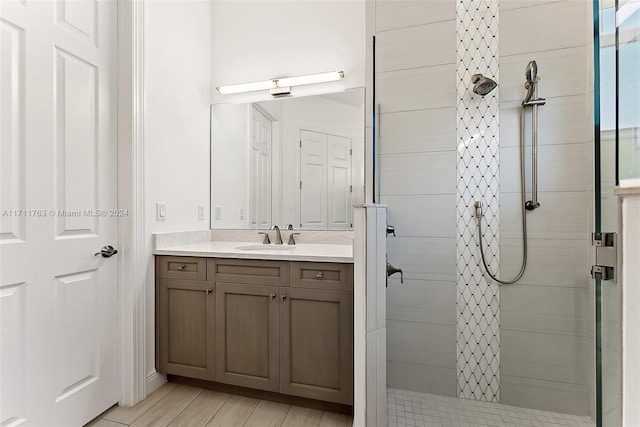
{"x":311,"y":79}
{"x":283,"y":82}
{"x":247,"y":87}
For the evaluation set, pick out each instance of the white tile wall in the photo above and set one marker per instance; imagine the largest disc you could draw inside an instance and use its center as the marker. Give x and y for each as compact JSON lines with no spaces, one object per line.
{"x":416,"y":85}
{"x":405,"y":338}
{"x":426,"y":301}
{"x":424,"y":378}
{"x":418,"y":131}
{"x":392,"y":14}
{"x":562,"y":121}
{"x":422,"y":215}
{"x":416,"y":88}
{"x":417,"y":173}
{"x":547,"y":309}
{"x":404,"y":48}
{"x":565,"y":25}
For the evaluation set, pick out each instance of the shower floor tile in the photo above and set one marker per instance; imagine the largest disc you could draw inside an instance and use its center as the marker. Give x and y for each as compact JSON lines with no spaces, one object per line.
{"x":409,"y":408}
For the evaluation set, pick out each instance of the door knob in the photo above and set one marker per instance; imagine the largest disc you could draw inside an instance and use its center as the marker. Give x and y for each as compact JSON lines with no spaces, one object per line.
{"x":107,"y":251}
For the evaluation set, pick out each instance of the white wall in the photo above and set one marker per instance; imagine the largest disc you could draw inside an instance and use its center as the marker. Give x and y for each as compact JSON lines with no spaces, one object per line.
{"x":261,"y":40}
{"x":177,"y":78}
{"x":230,"y":141}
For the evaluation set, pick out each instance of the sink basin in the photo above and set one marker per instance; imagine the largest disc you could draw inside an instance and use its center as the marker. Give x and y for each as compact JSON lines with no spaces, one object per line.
{"x":266,"y":248}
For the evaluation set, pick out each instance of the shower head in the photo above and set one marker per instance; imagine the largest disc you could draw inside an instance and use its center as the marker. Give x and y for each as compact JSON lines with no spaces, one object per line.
{"x":531,"y":75}
{"x":482,"y":85}
{"x":531,"y":72}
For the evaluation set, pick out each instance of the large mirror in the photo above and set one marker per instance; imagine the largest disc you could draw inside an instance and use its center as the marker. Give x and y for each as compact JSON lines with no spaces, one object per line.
{"x":296,"y":161}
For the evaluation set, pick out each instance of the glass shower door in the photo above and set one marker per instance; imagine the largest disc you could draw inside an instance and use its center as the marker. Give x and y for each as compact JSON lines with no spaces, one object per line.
{"x":617,"y":151}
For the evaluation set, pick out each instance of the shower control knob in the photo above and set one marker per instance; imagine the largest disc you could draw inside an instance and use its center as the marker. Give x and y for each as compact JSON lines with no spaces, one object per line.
{"x":391,"y":230}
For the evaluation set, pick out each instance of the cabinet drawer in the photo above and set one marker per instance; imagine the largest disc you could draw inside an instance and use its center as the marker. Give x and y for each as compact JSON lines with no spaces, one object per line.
{"x":322,"y":275}
{"x":248,"y":271}
{"x":173,"y":267}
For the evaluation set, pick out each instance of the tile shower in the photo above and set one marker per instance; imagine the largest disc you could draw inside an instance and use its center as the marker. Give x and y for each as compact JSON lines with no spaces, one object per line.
{"x":450,"y":332}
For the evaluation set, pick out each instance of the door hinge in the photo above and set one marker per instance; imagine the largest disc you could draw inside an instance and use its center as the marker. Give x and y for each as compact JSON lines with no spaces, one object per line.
{"x":301,"y":185}
{"x":606,"y":256}
{"x":351,"y":151}
{"x":351,"y":189}
{"x":300,"y":143}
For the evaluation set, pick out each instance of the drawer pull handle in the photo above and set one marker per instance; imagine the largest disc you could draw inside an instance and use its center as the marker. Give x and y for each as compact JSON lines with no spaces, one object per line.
{"x":209,"y":291}
{"x":182,"y":267}
{"x":319,"y":275}
{"x":283,"y":297}
{"x":273,"y":296}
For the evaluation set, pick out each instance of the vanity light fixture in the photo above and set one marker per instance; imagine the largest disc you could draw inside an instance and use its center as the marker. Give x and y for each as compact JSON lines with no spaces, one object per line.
{"x":281,"y":86}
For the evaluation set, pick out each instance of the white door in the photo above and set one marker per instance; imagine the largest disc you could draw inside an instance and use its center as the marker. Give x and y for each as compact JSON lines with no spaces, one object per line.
{"x":260,"y":170}
{"x":58,"y":302}
{"x":339,"y":182}
{"x":325,"y":181}
{"x":313,"y":180}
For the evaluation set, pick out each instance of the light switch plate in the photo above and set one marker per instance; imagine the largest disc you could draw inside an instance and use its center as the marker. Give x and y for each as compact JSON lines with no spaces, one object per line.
{"x":200,"y":212}
{"x":218,"y":213}
{"x":161,"y":211}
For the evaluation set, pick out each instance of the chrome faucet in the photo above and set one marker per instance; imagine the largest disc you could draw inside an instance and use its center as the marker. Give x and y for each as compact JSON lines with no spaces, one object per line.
{"x":278,"y":235}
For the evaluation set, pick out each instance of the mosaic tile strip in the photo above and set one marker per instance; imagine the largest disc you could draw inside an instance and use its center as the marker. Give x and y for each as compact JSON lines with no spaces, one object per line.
{"x":478,"y":300}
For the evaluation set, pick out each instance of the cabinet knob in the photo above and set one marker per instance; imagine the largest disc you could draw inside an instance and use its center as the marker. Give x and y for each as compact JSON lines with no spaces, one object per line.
{"x":182,"y":267}
{"x":319,"y":275}
{"x":283,"y":297}
{"x":273,"y":296}
{"x":209,"y":291}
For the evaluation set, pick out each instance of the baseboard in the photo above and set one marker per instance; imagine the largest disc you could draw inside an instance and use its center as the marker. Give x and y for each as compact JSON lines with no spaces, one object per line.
{"x":264,"y":395}
{"x":154,"y":381}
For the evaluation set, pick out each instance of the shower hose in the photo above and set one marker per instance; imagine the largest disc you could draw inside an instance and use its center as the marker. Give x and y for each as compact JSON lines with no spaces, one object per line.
{"x":523,"y":215}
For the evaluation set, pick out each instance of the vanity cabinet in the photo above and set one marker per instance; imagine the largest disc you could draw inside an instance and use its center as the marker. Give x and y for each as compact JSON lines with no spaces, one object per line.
{"x":279,"y":326}
{"x":185,"y":320}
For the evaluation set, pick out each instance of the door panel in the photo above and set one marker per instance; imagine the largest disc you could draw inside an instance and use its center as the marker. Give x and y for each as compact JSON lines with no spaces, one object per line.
{"x":339,"y":192}
{"x":12,"y":359}
{"x":75,"y":97}
{"x":260,"y":170}
{"x":316,"y":344}
{"x":313,"y":177}
{"x":58,"y":167}
{"x":186,"y":315}
{"x":247,"y":335}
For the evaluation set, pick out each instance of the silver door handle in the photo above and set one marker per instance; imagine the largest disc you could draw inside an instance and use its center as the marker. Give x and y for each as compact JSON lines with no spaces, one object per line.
{"x":107,"y":251}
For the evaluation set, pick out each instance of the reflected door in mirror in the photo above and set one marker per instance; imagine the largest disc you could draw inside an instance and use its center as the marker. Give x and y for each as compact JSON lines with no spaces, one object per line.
{"x":325,"y":181}
{"x":260,"y":170}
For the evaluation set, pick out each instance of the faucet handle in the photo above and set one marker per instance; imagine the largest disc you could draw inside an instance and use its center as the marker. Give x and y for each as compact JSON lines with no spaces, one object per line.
{"x":266,"y":240}
{"x":291,"y":239}
{"x":391,"y":230}
{"x":391,"y":270}
{"x":289,"y":227}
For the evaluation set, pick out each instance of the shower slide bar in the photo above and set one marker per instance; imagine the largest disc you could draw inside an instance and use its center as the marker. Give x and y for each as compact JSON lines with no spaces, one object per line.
{"x":532,"y":100}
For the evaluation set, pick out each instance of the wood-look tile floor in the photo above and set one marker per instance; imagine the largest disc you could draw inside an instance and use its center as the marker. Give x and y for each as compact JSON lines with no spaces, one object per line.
{"x":177,"y":405}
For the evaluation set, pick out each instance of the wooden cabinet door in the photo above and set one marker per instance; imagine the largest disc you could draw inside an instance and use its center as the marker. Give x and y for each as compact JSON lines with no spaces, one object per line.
{"x":316,"y":344}
{"x":186,"y":328}
{"x":247,"y":335}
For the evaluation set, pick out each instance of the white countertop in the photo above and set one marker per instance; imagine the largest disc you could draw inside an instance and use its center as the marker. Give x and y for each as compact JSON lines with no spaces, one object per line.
{"x":298,"y":252}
